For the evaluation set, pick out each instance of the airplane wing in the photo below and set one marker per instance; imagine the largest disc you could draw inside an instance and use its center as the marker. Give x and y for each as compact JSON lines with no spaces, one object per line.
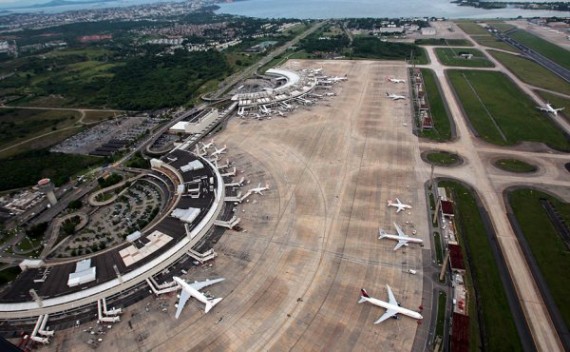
{"x":184,"y":296}
{"x":391,"y":298}
{"x":400,"y":232}
{"x":389,"y":314}
{"x":400,"y":244}
{"x":198,"y":285}
{"x":400,"y":208}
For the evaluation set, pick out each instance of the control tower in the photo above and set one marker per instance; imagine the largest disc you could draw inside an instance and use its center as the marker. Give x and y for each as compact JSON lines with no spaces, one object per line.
{"x":47,"y":187}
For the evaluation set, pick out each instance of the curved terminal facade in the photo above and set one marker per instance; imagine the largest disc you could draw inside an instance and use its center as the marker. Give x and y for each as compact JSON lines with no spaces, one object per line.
{"x":289,"y":85}
{"x":71,"y":290}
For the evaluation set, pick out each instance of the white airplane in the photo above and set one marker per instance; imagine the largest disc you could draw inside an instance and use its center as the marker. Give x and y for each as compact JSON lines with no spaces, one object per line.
{"x":218,"y":151}
{"x":395,"y":96}
{"x":549,"y":109}
{"x":337,"y":79}
{"x":401,"y":206}
{"x":392,"y":307}
{"x":400,"y":237}
{"x":396,"y":80}
{"x":193,"y":290}
{"x":259,"y":189}
{"x":207,"y":146}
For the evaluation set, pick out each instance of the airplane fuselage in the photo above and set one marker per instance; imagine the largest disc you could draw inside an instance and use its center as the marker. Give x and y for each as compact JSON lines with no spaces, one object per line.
{"x":405,"y":311}
{"x":193,"y":292}
{"x":407,"y":239}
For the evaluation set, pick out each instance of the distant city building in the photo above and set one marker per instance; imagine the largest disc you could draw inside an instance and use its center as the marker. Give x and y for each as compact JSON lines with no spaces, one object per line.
{"x":428,"y":31}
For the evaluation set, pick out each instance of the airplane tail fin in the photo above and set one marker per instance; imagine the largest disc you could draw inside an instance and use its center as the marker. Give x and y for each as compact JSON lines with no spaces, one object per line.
{"x":211,"y":303}
{"x":382,"y":234}
{"x":363,"y":296}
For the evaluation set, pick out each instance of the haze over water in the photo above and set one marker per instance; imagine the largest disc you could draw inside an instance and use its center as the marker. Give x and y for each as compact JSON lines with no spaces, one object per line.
{"x":320,"y":9}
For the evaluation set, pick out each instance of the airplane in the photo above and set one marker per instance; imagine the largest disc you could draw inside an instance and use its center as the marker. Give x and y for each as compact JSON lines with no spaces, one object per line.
{"x":396,"y":80}
{"x":392,"y":307}
{"x":193,"y":290}
{"x":281,"y":114}
{"x":549,"y":109}
{"x":219,"y":151}
{"x":259,"y":189}
{"x":395,"y":96}
{"x":207,"y":146}
{"x":400,"y":237}
{"x":337,"y":79}
{"x":401,"y":206}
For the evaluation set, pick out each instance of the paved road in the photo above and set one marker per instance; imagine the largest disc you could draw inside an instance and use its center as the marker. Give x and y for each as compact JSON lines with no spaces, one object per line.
{"x":475,"y":173}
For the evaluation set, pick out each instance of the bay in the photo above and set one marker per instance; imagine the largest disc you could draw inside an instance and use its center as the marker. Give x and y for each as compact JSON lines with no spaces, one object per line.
{"x":322,"y":9}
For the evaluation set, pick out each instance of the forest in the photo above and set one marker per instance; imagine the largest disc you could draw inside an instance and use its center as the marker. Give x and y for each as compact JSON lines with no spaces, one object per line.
{"x":153,"y":82}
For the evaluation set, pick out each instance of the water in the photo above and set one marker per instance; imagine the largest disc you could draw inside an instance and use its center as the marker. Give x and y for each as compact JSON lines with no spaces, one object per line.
{"x":23,"y":7}
{"x":320,"y":9}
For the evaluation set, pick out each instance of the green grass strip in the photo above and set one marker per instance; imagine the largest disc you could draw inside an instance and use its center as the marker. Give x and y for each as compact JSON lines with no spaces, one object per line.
{"x":547,"y":247}
{"x":499,"y":330}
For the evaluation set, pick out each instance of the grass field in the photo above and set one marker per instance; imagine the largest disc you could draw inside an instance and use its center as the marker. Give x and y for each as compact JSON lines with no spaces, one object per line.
{"x":487,"y":100}
{"x":499,"y":330}
{"x":42,"y":142}
{"x":443,"y":158}
{"x":557,"y":102}
{"x":470,"y":27}
{"x":500,"y":25}
{"x":531,"y":73}
{"x":442,"y":126}
{"x":97,"y":116}
{"x":19,"y":124}
{"x":451,"y":57}
{"x":441,"y":303}
{"x":482,"y":36}
{"x":443,"y":41}
{"x":438,"y":248}
{"x":547,"y":247}
{"x":553,"y":52}
{"x":515,"y":165}
{"x":492,"y":42}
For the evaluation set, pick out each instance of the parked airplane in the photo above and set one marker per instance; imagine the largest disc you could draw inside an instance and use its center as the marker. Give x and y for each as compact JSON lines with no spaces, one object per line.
{"x":400,"y":237}
{"x":259,"y":189}
{"x":395,"y":96}
{"x":396,"y":80}
{"x":549,"y":109}
{"x":401,"y":206}
{"x":392,"y":307}
{"x":193,"y":290}
{"x":337,"y":79}
{"x":219,"y":151}
{"x":207,"y":146}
